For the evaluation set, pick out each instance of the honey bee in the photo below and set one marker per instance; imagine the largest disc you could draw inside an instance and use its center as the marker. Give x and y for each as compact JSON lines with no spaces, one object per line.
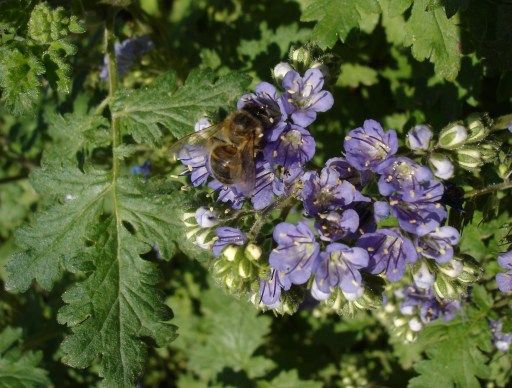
{"x":233,"y":144}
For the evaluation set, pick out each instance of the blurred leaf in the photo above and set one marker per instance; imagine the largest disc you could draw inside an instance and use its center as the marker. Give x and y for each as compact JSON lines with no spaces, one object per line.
{"x":353,"y":75}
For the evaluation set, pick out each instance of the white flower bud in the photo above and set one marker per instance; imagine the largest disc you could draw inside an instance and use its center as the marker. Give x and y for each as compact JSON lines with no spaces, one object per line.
{"x":469,"y":158}
{"x":418,"y":138}
{"x":442,"y":166}
{"x":415,"y":324}
{"x":253,"y":252}
{"x":453,"y":136}
{"x":230,"y":252}
{"x":423,"y":278}
{"x":452,"y":269}
{"x":280,"y":70}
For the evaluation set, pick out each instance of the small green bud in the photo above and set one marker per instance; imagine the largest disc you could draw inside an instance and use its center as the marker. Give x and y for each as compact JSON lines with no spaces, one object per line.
{"x":469,"y":158}
{"x":444,"y":288}
{"x":503,"y":170}
{"x":245,"y":268}
{"x":452,"y":136}
{"x":301,"y":58}
{"x":489,"y":151}
{"x":477,"y":128}
{"x":452,"y":269}
{"x":471,"y":272}
{"x":230,"y":280}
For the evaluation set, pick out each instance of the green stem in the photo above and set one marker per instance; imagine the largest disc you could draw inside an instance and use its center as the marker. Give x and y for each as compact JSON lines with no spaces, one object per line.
{"x":263,"y":216}
{"x":10,"y":179}
{"x":496,"y":187}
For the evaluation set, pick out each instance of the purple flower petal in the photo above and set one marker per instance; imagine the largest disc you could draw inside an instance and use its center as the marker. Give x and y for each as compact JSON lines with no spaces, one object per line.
{"x":227,"y":236}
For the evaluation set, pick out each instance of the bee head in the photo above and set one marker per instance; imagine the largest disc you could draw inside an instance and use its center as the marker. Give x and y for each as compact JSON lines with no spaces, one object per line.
{"x":266,"y":111}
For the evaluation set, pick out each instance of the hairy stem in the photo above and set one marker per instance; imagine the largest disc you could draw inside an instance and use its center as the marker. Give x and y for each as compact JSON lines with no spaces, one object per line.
{"x":490,"y":189}
{"x":284,"y":203}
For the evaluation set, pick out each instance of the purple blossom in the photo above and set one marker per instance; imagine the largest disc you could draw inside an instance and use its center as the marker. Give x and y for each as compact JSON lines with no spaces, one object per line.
{"x":334,"y":225}
{"x":270,"y":290}
{"x":227,"y":236}
{"x":438,"y":244}
{"x":227,"y":194}
{"x":368,"y":146}
{"x":381,"y":210}
{"x":347,"y":172}
{"x":424,"y":303}
{"x":504,"y":280}
{"x":195,"y":157}
{"x":406,"y":177}
{"x":295,"y":252}
{"x":327,"y":192}
{"x":420,"y":217}
{"x":289,"y":145}
{"x":389,"y":252}
{"x":339,"y":267}
{"x":206,"y":218}
{"x":501,"y":340}
{"x":418,"y":138}
{"x":306,"y":95}
{"x":143,"y":169}
{"x":126,"y":53}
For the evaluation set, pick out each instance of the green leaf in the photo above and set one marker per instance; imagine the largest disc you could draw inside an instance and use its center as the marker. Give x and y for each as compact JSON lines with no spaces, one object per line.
{"x":142,"y":111}
{"x":232,"y":331}
{"x":18,"y":368}
{"x":353,"y":75}
{"x":117,"y":306}
{"x":455,"y":350}
{"x":58,"y":233}
{"x":336,"y":18}
{"x":19,"y":80}
{"x":435,"y":37}
{"x":289,"y":379}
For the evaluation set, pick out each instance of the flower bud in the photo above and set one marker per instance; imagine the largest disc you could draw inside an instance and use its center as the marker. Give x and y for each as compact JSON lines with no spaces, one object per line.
{"x":469,"y":158}
{"x":423,"y":278}
{"x":206,"y":218}
{"x":452,"y":136}
{"x":441,"y":166}
{"x":444,"y":288}
{"x":489,"y":151}
{"x":323,"y":68}
{"x":253,"y":252}
{"x":415,"y":325}
{"x":301,"y":58}
{"x":476,"y":128}
{"x":452,"y":269}
{"x":470,"y":273}
{"x":280,"y":70}
{"x":230,"y":252}
{"x":245,"y":268}
{"x":418,"y":137}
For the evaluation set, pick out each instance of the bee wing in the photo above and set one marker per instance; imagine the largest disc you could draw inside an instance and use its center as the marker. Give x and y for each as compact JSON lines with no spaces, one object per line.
{"x":199,"y":138}
{"x":247,"y":181}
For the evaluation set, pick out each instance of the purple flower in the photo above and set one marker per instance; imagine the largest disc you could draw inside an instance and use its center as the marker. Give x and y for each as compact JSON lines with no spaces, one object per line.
{"x":289,"y":145}
{"x":339,"y":267}
{"x":227,"y":236}
{"x":406,"y":177}
{"x":270,"y":290}
{"x":504,"y":280}
{"x":367,"y":147}
{"x":381,"y":210}
{"x":295,"y":252}
{"x":424,"y":303}
{"x":420,"y":217}
{"x":333,"y":226}
{"x":389,"y":252}
{"x":418,"y":138}
{"x":348,"y":173}
{"x":143,"y":169}
{"x":227,"y":194}
{"x":127,"y":52}
{"x":206,"y":218}
{"x":438,"y":244}
{"x":501,"y":340}
{"x":327,"y":192}
{"x":195,"y":157}
{"x":306,"y":95}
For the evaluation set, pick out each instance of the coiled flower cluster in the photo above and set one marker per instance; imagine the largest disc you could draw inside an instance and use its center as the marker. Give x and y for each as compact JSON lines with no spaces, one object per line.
{"x":369,"y":216}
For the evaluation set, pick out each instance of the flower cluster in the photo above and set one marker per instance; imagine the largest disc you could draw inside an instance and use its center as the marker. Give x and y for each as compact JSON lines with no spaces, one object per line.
{"x":369,"y":214}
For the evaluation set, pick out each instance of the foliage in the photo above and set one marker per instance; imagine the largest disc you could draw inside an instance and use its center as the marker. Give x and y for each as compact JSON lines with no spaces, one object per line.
{"x":101,"y":280}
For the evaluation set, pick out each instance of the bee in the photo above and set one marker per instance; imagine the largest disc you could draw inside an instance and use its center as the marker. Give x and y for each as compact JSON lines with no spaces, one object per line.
{"x":233,"y":144}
